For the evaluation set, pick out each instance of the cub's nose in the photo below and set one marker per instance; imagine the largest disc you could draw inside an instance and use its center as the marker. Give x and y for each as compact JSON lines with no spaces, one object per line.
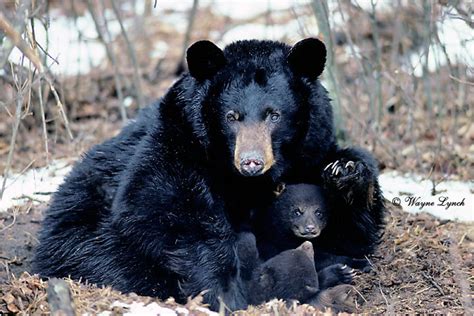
{"x":252,"y":166}
{"x":310,"y":229}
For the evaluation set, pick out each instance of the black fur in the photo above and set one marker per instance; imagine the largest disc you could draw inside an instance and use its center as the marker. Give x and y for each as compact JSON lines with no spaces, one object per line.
{"x":300,"y":212}
{"x":291,"y":276}
{"x":155,"y":209}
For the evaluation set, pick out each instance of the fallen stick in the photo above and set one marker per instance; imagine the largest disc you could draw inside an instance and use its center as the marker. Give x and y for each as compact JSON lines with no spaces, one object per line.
{"x":59,"y":298}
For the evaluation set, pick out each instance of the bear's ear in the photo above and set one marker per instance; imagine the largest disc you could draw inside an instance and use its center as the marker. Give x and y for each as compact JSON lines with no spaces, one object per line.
{"x":307,"y":248}
{"x":265,"y":279}
{"x":279,"y":189}
{"x":307,"y":58}
{"x":204,"y":59}
{"x":311,"y":289}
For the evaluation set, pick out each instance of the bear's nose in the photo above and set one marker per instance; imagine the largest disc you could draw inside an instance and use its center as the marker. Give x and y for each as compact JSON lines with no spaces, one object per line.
{"x":252,"y":166}
{"x":310,"y":229}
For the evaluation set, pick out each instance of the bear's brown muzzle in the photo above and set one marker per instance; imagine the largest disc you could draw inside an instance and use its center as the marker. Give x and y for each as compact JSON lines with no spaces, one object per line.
{"x":253,"y":153}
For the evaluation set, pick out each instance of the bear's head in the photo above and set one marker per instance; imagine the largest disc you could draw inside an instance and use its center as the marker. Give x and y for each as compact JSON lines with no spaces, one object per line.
{"x":289,"y":275}
{"x":299,"y":210}
{"x":259,"y":98}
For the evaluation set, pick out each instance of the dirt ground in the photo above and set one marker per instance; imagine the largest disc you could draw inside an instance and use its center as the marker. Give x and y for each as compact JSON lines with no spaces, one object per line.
{"x":423,"y":265}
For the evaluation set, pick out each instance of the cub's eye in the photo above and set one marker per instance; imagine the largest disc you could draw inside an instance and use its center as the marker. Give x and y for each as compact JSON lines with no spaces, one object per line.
{"x":232,"y":116}
{"x":274,"y":117}
{"x":297,"y":212}
{"x":318,"y":213}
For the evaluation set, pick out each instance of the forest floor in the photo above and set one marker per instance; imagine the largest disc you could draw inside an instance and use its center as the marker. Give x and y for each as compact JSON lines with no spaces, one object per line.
{"x":422,"y":266}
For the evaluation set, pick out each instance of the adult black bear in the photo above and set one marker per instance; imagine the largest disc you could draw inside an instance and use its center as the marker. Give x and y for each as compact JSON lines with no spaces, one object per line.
{"x":155,"y":209}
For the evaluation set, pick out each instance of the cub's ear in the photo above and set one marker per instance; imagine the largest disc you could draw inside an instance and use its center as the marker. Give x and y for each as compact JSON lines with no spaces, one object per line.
{"x":307,"y":248}
{"x":265,"y":279}
{"x":307,"y":58}
{"x":279,"y":189}
{"x":204,"y":59}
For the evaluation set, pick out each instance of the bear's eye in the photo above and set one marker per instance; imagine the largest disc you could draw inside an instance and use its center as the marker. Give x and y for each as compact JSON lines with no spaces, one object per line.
{"x":297,"y":212}
{"x":232,"y":116}
{"x":274,"y":117}
{"x":318,"y":213}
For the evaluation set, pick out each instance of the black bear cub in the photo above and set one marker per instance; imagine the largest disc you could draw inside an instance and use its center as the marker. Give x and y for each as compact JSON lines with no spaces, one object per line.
{"x":300,"y":212}
{"x":291,"y":275}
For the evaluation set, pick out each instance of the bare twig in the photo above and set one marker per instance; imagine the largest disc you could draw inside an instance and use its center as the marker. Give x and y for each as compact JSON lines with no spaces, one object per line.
{"x":111,"y":57}
{"x":43,"y":120}
{"x":133,"y":56}
{"x":378,"y":68}
{"x":320,"y":11}
{"x":460,"y":277}
{"x":461,"y":81}
{"x":16,"y":124}
{"x":187,"y":37}
{"x":15,"y":211}
{"x":59,"y":105}
{"x":389,"y":310}
{"x":433,"y":282}
{"x":32,"y":55}
{"x":59,"y":298}
{"x":23,"y":46}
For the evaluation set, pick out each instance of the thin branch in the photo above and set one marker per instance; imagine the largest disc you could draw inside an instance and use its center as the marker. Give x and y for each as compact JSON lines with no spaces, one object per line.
{"x":320,"y":11}
{"x":15,"y":211}
{"x":60,"y":106}
{"x":187,"y":37}
{"x":43,"y":120}
{"x":461,"y":81}
{"x":132,"y":54}
{"x":16,"y":124}
{"x":23,"y":46}
{"x":111,"y":57}
{"x":433,"y":282}
{"x":47,"y":54}
{"x":378,"y":68}
{"x":32,"y":55}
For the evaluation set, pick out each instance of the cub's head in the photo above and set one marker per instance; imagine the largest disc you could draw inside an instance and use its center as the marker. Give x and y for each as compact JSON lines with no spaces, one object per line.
{"x":255,"y":104}
{"x":300,"y":210}
{"x":289,"y":275}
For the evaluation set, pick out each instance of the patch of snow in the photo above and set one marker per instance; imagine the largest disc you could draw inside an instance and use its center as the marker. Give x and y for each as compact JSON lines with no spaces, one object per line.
{"x":35,"y":184}
{"x":290,"y":30}
{"x":159,"y":50}
{"x":368,"y":5}
{"x":128,"y":101}
{"x":182,"y":310}
{"x":74,"y":45}
{"x":241,"y":9}
{"x":414,"y":194}
{"x":206,"y":311}
{"x":152,"y":309}
{"x":236,"y":9}
{"x":458,"y":40}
